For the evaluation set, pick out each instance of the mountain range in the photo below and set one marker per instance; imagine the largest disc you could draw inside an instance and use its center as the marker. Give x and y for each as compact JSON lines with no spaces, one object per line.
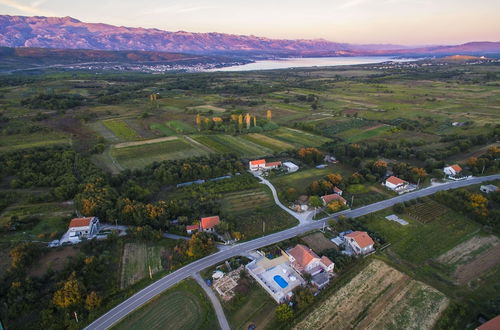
{"x":70,"y":33}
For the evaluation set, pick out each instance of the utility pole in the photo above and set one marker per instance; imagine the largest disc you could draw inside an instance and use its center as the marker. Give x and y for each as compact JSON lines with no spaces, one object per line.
{"x":76,"y":317}
{"x":263,"y":226}
{"x":418,"y":182}
{"x":150,"y":273}
{"x":352,"y":201}
{"x":484,"y":166}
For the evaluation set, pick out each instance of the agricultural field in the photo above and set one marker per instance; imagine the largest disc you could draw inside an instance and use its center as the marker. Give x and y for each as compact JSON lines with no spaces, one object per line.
{"x":232,"y":144}
{"x":163,"y":129}
{"x":418,"y":242}
{"x":121,"y":129}
{"x":246,"y":200}
{"x":137,"y":259}
{"x":470,"y":259}
{"x":144,"y":154}
{"x":379,"y":297}
{"x":318,"y":242}
{"x":268,"y":142}
{"x":302,"y":179}
{"x":207,"y":108}
{"x":298,"y":138}
{"x":427,"y":211}
{"x":180,"y":127}
{"x":25,"y":141}
{"x":360,"y":134}
{"x":184,"y":306}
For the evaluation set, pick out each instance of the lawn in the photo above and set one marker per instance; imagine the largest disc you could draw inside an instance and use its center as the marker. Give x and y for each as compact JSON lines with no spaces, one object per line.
{"x":232,"y":144}
{"x":121,"y":129}
{"x":298,"y":138}
{"x":418,"y":242}
{"x":184,"y":306}
{"x":142,"y":155}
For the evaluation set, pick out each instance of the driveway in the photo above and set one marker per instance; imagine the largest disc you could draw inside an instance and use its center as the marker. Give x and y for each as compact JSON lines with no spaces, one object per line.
{"x":224,"y":325}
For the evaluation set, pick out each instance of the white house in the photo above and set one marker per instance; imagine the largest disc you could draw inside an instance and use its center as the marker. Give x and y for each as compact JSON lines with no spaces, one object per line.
{"x":290,"y":167}
{"x":452,"y":170}
{"x":303,"y":259}
{"x":359,"y":242}
{"x":258,"y":164}
{"x":83,"y":228}
{"x":395,"y":183}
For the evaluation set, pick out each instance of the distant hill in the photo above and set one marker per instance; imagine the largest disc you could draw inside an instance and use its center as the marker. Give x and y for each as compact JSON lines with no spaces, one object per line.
{"x":70,"y":33}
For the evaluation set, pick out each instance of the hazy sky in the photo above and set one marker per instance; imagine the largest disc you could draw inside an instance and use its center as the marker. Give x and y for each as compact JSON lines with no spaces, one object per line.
{"x":409,"y":22}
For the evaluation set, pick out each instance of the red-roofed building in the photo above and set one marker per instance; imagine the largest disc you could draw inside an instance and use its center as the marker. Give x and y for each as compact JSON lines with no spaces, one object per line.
{"x":452,"y":170}
{"x":257,"y":164}
{"x":208,"y":224}
{"x":493,"y":324}
{"x":360,"y":242}
{"x":192,"y":228}
{"x":337,"y":191}
{"x":303,"y":259}
{"x":83,"y":228}
{"x":333,"y":197}
{"x":272,"y":165}
{"x":395,"y":183}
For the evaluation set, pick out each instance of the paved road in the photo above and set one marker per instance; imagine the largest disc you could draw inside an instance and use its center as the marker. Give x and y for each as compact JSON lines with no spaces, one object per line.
{"x":224,"y":325}
{"x":143,"y":296}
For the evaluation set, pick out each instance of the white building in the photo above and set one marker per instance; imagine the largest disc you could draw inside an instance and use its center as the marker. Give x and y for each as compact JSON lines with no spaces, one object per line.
{"x":395,"y":183}
{"x":452,"y":170}
{"x":359,"y":242}
{"x":303,"y":259}
{"x":83,"y":228}
{"x":290,"y":167}
{"x":489,"y":188}
{"x":258,"y":164}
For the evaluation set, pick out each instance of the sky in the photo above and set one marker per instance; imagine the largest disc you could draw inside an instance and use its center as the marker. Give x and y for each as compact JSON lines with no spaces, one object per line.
{"x":405,"y":22}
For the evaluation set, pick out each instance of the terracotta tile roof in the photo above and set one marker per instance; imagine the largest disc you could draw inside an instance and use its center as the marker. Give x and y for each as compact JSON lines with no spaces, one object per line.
{"x":333,"y":197}
{"x":273,"y":164}
{"x":336,"y":190}
{"x":492,"y":324}
{"x":80,"y":222}
{"x":210,"y":222}
{"x":456,"y":168}
{"x":396,"y":181}
{"x":193,"y":227}
{"x":362,"y":238}
{"x":326,"y":261}
{"x":302,"y":254}
{"x":258,"y":162}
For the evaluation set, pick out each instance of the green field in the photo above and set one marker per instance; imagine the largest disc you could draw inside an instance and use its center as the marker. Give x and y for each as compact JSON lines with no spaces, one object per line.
{"x":142,"y":155}
{"x":268,"y":142}
{"x":359,"y":134}
{"x":180,"y":127}
{"x":24,"y":141}
{"x":232,"y":144}
{"x":247,"y":200}
{"x":136,"y":261}
{"x":163,"y":129}
{"x":121,"y":129}
{"x":418,"y":242}
{"x":184,"y":306}
{"x":298,"y":138}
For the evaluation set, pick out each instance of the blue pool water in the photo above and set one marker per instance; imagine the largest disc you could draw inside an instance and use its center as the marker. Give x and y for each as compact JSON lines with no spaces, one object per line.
{"x":281,"y":281}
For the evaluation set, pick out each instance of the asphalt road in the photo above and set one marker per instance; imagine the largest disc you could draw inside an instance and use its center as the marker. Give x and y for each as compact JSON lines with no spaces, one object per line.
{"x":154,"y":289}
{"x":221,"y":317}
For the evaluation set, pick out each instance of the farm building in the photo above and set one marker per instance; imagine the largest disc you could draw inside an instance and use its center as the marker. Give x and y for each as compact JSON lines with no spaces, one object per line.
{"x":493,"y":324}
{"x":192,"y":228}
{"x":276,"y":276}
{"x":290,"y":167}
{"x":337,"y":191}
{"x":333,"y":197}
{"x":359,"y":242}
{"x":262,"y":165}
{"x":489,"y":188}
{"x":304,"y":259}
{"x":83,"y":228}
{"x":395,"y":183}
{"x":452,"y":171}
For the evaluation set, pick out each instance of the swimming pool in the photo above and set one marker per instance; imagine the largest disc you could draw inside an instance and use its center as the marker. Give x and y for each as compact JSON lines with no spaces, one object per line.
{"x":281,"y":281}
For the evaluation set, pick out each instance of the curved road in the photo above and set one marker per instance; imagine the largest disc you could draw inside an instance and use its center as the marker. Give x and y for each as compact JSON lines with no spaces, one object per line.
{"x":154,"y":289}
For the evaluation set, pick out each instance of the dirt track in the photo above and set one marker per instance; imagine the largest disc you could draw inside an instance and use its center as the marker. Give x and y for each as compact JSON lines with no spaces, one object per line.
{"x":486,"y":260}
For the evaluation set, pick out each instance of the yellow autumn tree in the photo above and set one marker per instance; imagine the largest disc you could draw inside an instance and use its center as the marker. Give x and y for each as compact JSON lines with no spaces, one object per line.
{"x":92,"y":301}
{"x":198,"y":121}
{"x":335,"y":206}
{"x":247,"y":120}
{"x":334,"y":178}
{"x":254,"y":121}
{"x":70,"y":294}
{"x":479,"y":204}
{"x":269,"y":115}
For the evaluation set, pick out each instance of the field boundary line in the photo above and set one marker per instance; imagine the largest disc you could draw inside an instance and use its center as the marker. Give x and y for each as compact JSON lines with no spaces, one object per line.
{"x":139,"y":143}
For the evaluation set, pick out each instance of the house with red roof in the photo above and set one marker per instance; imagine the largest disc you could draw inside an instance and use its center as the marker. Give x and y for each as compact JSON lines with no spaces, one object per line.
{"x":333,"y":197}
{"x":493,"y":324}
{"x":303,"y":259}
{"x":453,"y":170}
{"x":208,"y":224}
{"x":83,"y":228}
{"x":395,"y":183}
{"x":262,"y":165}
{"x":190,"y":229}
{"x":359,"y":242}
